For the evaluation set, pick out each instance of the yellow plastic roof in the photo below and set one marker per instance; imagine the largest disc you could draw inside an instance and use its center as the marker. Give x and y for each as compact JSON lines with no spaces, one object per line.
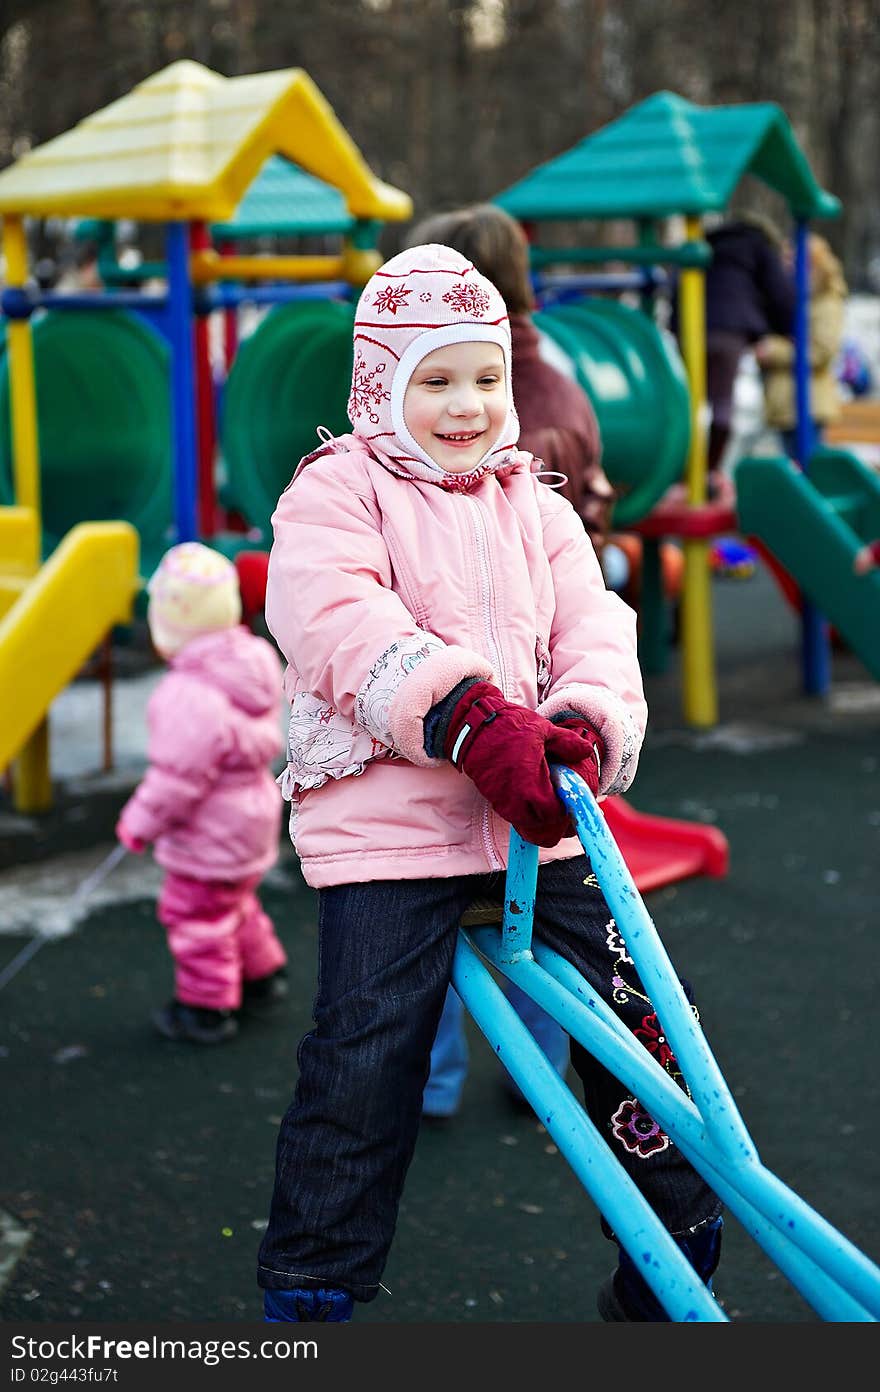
{"x":187,"y":143}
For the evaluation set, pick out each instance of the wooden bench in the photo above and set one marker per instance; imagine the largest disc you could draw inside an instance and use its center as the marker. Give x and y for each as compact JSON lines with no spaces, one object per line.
{"x":858,"y":424}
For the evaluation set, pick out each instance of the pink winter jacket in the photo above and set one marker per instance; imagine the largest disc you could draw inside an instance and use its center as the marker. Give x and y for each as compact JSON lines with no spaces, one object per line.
{"x":209,"y":800}
{"x":383,"y":592}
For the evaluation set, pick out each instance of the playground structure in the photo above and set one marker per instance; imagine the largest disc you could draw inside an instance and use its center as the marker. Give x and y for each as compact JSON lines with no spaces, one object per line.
{"x":667,"y":156}
{"x":291,"y":373}
{"x":116,"y":442}
{"x":181,"y":150}
{"x":833,"y":1275}
{"x":647,"y":416}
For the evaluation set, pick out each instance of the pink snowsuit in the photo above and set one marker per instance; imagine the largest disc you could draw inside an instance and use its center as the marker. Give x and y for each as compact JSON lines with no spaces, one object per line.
{"x":210,"y":803}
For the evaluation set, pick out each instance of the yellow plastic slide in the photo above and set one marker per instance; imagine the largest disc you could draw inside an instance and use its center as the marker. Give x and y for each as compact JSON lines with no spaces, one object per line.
{"x":61,"y":615}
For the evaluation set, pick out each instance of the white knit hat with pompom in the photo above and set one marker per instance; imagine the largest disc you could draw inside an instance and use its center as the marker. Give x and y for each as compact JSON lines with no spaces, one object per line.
{"x":193,"y":591}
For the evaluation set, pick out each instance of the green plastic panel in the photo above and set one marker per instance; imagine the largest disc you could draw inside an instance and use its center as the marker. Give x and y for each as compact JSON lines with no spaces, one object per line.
{"x":813,"y":524}
{"x":665,"y":156}
{"x":633,"y":374}
{"x":291,"y":375}
{"x":103,"y":416}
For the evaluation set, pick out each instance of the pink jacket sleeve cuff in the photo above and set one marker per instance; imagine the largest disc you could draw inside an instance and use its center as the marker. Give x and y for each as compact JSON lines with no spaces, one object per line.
{"x":427,"y":684}
{"x":136,"y":825}
{"x":611,"y":719}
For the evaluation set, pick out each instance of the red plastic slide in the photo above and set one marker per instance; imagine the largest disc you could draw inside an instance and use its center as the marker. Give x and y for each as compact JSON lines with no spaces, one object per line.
{"x":661,"y":850}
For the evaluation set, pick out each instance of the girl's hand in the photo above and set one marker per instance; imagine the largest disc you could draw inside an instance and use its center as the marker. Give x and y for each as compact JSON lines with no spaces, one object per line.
{"x":129,"y":841}
{"x":506,"y":750}
{"x":590,"y":769}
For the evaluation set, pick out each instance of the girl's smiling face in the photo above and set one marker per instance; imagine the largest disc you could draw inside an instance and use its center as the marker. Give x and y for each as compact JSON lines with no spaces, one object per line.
{"x":455,"y":404}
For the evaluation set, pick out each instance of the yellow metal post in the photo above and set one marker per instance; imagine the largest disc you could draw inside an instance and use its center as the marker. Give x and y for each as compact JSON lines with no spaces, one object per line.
{"x":23,"y":395}
{"x":697,"y":642}
{"x":31,"y":781}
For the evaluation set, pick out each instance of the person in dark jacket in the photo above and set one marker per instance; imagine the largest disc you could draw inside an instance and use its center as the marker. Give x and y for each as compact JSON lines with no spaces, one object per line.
{"x":750,"y":293}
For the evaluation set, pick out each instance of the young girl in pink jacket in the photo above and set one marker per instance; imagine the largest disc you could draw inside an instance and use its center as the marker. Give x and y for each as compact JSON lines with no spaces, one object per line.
{"x":209,"y":800}
{"x":448,"y":634}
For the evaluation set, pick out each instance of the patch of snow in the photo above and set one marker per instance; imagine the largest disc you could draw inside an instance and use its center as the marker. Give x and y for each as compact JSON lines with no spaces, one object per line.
{"x":42,"y":897}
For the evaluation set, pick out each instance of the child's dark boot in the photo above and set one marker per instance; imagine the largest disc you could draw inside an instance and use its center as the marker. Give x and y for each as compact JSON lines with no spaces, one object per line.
{"x":195,"y":1024}
{"x":627,"y":1296}
{"x":307,"y":1306}
{"x":264,"y":993}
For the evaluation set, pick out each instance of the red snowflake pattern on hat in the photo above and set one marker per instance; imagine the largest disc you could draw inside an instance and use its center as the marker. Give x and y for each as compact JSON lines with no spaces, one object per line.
{"x":392,"y":298}
{"x":366,"y":393}
{"x":467,"y":299}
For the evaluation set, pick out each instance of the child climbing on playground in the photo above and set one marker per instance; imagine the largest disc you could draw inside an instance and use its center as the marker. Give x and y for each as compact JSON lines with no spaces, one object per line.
{"x":775,"y":353}
{"x":209,"y":801}
{"x":449,"y":636}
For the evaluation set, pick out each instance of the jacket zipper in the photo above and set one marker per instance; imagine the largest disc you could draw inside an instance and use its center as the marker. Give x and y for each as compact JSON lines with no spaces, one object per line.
{"x":482,"y":549}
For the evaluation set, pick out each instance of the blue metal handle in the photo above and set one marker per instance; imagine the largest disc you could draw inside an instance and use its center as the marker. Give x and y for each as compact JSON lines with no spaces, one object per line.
{"x":838,"y":1280}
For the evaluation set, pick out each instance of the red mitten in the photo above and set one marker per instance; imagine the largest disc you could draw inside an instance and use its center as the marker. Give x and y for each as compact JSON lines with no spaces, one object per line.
{"x":130,"y":842}
{"x":506,"y":750}
{"x":590,"y":769}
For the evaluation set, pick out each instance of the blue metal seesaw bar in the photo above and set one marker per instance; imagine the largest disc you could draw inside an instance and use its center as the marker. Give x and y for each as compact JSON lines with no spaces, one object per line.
{"x":832,"y":1275}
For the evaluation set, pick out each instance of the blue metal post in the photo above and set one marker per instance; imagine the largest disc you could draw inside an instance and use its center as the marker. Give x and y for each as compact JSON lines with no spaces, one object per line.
{"x":180,"y":337}
{"x":815,"y":647}
{"x":520,"y":892}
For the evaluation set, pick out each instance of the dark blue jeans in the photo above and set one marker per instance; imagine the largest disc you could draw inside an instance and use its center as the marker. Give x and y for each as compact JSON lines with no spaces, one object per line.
{"x":347,"y":1139}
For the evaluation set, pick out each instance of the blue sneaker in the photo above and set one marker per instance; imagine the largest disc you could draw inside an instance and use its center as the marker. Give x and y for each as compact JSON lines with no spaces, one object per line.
{"x":627,"y":1297}
{"x":301,"y":1306}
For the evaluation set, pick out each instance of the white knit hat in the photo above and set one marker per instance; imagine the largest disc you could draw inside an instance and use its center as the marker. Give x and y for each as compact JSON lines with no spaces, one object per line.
{"x":424,"y":298}
{"x":194,"y":590}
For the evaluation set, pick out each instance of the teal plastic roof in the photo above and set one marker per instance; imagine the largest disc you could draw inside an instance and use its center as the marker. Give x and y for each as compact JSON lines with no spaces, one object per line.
{"x":285,"y":200}
{"x":666,"y":156}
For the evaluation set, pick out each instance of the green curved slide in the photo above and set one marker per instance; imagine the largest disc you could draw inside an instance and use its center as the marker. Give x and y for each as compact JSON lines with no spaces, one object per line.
{"x":289,"y":376}
{"x":634,"y":376}
{"x":814,"y":523}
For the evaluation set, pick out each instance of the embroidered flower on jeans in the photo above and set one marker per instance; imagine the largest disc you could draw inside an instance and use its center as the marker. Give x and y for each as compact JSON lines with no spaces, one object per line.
{"x":391,"y":298}
{"x":636,"y":1131}
{"x":652,"y":1036}
{"x":614,"y":942}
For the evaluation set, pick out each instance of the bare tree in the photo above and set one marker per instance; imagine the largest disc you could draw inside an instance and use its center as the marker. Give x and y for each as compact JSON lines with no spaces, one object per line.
{"x":453,"y":100}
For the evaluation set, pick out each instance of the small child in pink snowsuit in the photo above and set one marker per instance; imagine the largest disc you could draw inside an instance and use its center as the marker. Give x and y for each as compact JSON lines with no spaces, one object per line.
{"x":209,"y":801}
